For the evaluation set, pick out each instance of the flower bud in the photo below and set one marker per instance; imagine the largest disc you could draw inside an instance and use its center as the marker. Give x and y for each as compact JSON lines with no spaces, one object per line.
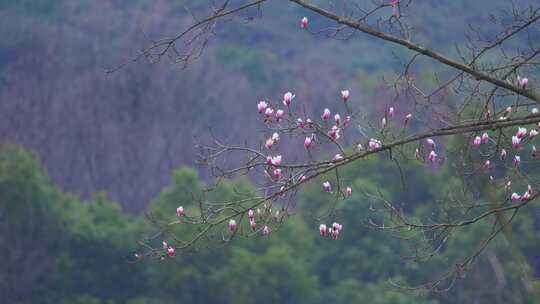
{"x":180,"y":211}
{"x":334,"y":133}
{"x":477,"y":142}
{"x":304,"y":23}
{"x":485,"y":138}
{"x":323,"y":230}
{"x":337,"y":118}
{"x":300,"y":123}
{"x":287,"y":99}
{"x":327,"y":187}
{"x":431,"y":143}
{"x":326,"y":114}
{"x":261,"y":106}
{"x":232,"y":225}
{"x":432,"y":157}
{"x":279,"y":114}
{"x":308,"y":142}
{"x":345,"y":95}
{"x":517,"y":161}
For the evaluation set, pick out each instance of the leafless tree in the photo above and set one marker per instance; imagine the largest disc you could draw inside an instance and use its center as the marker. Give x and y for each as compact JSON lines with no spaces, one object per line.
{"x":481,"y":93}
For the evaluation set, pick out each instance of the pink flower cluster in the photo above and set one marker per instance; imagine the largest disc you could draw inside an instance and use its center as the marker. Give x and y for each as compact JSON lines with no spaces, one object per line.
{"x":524,"y":197}
{"x":169,"y":249}
{"x":333,"y":230}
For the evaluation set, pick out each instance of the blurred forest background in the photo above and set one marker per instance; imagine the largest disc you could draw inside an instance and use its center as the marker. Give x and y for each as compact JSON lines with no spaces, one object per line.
{"x":84,"y":154}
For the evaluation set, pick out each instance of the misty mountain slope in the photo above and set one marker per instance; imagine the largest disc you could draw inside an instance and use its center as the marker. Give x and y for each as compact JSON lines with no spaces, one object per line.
{"x":125,"y":132}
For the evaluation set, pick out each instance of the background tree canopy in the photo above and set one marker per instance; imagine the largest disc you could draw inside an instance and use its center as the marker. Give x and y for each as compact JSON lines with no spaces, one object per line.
{"x":63,"y":250}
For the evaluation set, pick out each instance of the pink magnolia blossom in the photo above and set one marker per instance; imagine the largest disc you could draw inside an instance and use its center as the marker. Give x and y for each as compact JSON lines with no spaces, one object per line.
{"x":261,"y":106}
{"x":164,"y":245}
{"x":266,"y":230}
{"x":529,"y":189}
{"x":170,"y":251}
{"x":348,"y":191}
{"x":532,"y":133}
{"x":336,"y":229}
{"x":287,"y":98}
{"x":337,"y":118}
{"x":279,"y":114}
{"x":251,"y":214}
{"x":391,"y":112}
{"x":308,"y":142}
{"x":522,"y":82}
{"x":269,"y":160}
{"x":534,"y":111}
{"x":503,"y":154}
{"x":300,"y":123}
{"x":337,"y":157}
{"x":477,"y":142}
{"x":268,"y":112}
{"x":383,"y":122}
{"x":277,"y":173}
{"x":374,"y":144}
{"x":407,"y":118}
{"x":232,"y":225}
{"x":304,"y":23}
{"x":345,"y":95}
{"x":347,"y":120}
{"x":431,"y":143}
{"x":252,"y":224}
{"x":488,"y":114}
{"x":326,"y":114}
{"x":276,"y":160}
{"x":432,"y":157}
{"x":516,"y":142}
{"x":525,"y":196}
{"x":337,"y":226}
{"x":517,"y":161}
{"x":507,"y":111}
{"x":323,"y":230}
{"x":515,"y":197}
{"x":275,"y":137}
{"x":485,"y":138}
{"x":487,"y":164}
{"x":521,"y":132}
{"x":180,"y":211}
{"x":334,"y":133}
{"x":417,"y":153}
{"x":269,"y":143}
{"x":327,"y":187}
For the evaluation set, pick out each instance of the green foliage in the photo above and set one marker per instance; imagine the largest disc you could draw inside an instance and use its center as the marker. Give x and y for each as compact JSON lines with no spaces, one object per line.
{"x":86,"y":245}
